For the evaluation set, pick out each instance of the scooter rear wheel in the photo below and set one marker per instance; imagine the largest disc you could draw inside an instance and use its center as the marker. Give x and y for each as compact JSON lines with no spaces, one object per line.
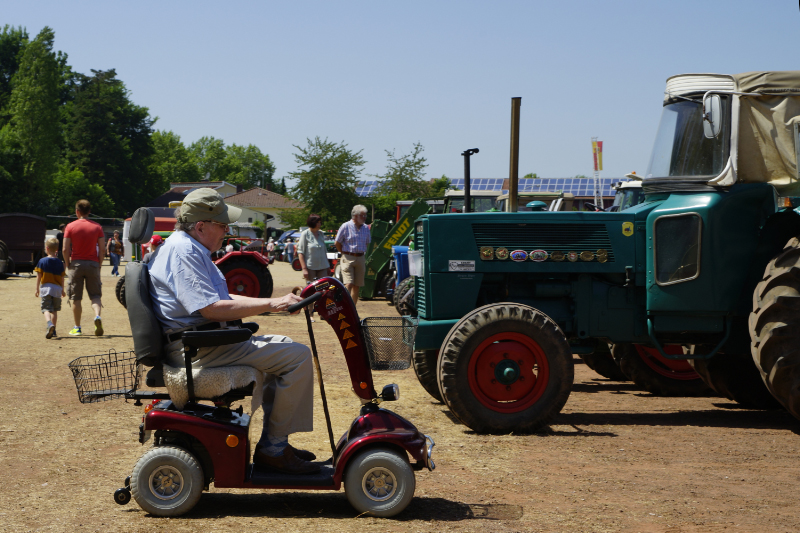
{"x":379,"y":481}
{"x":167,"y":481}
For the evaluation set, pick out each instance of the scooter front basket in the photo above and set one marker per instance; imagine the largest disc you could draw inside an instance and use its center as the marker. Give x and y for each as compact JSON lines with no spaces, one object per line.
{"x":105,"y":377}
{"x":389,"y":341}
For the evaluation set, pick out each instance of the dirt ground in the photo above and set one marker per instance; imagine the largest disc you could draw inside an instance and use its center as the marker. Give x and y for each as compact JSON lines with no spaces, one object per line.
{"x":616,"y":459}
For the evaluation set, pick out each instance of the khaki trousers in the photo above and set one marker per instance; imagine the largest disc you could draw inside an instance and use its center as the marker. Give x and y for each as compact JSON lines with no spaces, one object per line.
{"x":288,"y":384}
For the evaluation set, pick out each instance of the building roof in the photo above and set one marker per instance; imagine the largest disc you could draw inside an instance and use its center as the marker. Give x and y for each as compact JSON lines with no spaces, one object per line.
{"x":258,"y":197}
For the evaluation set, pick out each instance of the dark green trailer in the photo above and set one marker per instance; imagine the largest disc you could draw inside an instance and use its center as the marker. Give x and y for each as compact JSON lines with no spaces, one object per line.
{"x":506,"y":299}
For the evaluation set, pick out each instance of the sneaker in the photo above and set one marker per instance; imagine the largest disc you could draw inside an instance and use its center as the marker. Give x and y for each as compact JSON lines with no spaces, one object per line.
{"x":98,"y":326}
{"x":51,"y":331}
{"x":75,"y":331}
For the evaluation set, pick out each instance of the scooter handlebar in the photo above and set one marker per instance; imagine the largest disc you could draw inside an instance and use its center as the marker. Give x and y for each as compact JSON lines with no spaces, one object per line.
{"x":303,"y":303}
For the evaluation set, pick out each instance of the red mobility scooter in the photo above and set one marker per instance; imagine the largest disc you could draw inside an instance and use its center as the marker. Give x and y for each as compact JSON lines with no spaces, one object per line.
{"x":201,"y":443}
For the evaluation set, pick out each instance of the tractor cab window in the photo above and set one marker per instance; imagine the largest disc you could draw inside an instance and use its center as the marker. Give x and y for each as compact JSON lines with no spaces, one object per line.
{"x":677,"y":244}
{"x":681,"y":149}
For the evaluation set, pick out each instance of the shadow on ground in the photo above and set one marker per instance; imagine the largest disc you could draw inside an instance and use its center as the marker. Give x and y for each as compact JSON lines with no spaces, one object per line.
{"x":335,"y":505}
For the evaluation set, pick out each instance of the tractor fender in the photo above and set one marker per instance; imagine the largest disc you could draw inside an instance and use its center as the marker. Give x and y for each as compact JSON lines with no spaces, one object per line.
{"x":257,"y":256}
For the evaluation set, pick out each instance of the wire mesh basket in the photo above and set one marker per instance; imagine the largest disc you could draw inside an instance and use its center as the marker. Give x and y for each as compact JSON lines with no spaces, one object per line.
{"x":105,"y":377}
{"x":389,"y":341}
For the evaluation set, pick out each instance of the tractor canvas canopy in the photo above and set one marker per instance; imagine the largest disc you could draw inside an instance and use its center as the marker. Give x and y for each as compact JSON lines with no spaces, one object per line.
{"x":767,"y":151}
{"x":762,"y":138}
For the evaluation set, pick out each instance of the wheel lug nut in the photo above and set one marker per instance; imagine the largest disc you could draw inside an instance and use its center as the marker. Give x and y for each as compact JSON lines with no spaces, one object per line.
{"x":505,"y":356}
{"x":508,"y":387}
{"x":522,"y":378}
{"x":494,"y":381}
{"x":520,"y":362}
{"x":491,"y":365}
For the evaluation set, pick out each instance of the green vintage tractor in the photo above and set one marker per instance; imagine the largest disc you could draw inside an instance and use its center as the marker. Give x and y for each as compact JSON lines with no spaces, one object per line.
{"x":706,"y":269}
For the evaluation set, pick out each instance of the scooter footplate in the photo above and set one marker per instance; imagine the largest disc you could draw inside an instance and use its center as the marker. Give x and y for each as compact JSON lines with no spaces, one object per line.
{"x":263,"y":476}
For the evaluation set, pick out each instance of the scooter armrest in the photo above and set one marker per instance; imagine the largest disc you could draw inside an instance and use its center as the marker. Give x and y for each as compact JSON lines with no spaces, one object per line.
{"x":252,"y":326}
{"x":217,"y":337}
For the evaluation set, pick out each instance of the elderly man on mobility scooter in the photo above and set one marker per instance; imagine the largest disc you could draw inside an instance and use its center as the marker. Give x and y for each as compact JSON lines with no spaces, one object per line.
{"x":190,"y":293}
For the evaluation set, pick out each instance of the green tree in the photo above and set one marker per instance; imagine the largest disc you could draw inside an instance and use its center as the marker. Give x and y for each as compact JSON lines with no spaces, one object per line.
{"x":404,"y":179}
{"x":69,"y":186}
{"x":283,"y":190}
{"x":210,"y":156}
{"x":172,"y":161}
{"x":326,"y":179}
{"x":12,"y":42}
{"x":581,"y":176}
{"x":109,"y":140}
{"x":248,"y":166}
{"x":34,"y":106}
{"x":530,"y":175}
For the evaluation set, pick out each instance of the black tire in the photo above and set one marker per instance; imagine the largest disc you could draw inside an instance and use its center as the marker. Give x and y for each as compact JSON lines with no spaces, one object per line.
{"x":502,"y":400}
{"x":4,"y":257}
{"x":425,"y":367}
{"x":379,"y":481}
{"x":399,"y":289}
{"x":387,"y":284}
{"x":247,"y":277}
{"x":4,"y":251}
{"x":735,"y":377}
{"x":775,"y":327}
{"x":120,"y":291}
{"x":407,"y":306}
{"x":167,"y":481}
{"x":122,"y":496}
{"x":602,"y":362}
{"x":655,"y":377}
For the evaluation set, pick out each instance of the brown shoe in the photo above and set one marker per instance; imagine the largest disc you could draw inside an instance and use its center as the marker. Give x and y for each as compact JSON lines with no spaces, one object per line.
{"x":288,"y":463}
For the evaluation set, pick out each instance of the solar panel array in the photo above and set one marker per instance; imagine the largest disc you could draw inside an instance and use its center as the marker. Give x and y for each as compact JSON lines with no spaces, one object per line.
{"x":366,"y":187}
{"x":575,"y":186}
{"x":479,"y":184}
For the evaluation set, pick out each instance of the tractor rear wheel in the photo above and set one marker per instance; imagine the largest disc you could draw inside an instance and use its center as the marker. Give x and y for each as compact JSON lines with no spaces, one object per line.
{"x":425,"y":368}
{"x":735,"y":376}
{"x":247,"y":277}
{"x":602,"y":362}
{"x":389,"y":282}
{"x":400,"y":288}
{"x":505,"y":367}
{"x":775,"y":327}
{"x":120,"y":291}
{"x":659,"y":376}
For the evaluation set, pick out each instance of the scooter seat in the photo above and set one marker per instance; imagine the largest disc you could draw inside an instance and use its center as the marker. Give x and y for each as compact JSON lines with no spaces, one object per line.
{"x":226,"y":383}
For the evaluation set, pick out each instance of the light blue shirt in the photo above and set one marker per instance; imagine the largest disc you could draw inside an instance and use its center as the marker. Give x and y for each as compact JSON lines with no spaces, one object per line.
{"x":183,"y":280}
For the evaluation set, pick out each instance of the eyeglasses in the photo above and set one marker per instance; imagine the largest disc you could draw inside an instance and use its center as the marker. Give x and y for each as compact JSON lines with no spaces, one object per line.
{"x":224,"y":226}
{"x":362,"y":215}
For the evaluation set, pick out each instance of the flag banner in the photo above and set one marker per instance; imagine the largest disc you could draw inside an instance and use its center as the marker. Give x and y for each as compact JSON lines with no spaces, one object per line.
{"x":599,"y":163}
{"x":594,"y":154}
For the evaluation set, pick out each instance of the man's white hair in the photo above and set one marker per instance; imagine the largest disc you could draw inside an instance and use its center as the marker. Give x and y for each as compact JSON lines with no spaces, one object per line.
{"x":358,"y":209}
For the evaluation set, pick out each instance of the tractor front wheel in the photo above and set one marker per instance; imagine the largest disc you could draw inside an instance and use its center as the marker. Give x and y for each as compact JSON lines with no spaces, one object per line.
{"x":735,"y":377}
{"x":247,"y":278}
{"x":505,"y":367}
{"x":775,"y":327}
{"x":120,"y":291}
{"x":660,"y":376}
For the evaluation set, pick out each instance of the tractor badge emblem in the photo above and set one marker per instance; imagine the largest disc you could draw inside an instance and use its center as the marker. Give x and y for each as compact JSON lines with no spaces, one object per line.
{"x":487,"y":253}
{"x":572,"y":256}
{"x":501,"y":253}
{"x":602,"y":255}
{"x":627,"y":229}
{"x":587,"y":256}
{"x":519,"y":255}
{"x":557,"y":256}
{"x":539,"y":256}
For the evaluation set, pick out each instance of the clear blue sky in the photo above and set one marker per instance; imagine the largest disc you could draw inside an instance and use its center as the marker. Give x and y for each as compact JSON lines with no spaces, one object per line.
{"x":383,"y":75}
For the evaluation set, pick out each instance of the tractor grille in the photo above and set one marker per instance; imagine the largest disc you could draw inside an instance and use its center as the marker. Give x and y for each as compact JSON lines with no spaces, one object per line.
{"x":548,"y":237}
{"x":419,"y":296}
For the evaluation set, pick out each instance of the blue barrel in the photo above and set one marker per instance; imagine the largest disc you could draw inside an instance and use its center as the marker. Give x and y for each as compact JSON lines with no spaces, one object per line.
{"x":401,"y":261}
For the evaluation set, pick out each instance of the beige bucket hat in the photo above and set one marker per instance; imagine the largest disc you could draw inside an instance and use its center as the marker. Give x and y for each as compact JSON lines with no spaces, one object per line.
{"x":207,"y":204}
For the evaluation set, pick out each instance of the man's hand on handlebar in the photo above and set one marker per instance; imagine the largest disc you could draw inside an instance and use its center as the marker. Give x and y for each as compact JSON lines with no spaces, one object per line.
{"x":283,"y":303}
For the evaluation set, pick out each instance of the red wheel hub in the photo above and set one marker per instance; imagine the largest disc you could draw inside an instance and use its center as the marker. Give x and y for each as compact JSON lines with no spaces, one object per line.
{"x":672,"y":368}
{"x":508,"y":372}
{"x":242,"y":282}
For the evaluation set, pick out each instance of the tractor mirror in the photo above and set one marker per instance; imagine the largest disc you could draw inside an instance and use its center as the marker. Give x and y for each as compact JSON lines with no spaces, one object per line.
{"x":712,"y":116}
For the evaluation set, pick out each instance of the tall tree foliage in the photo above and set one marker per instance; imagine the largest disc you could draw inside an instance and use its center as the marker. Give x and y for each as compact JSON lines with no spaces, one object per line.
{"x":109,"y":140}
{"x":326,"y":179}
{"x":172,"y":161}
{"x":404,"y":179}
{"x":249,"y":167}
{"x":12,"y":41}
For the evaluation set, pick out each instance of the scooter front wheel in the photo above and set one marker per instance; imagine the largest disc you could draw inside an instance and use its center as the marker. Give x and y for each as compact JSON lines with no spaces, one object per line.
{"x":167,"y":481}
{"x":379,"y":481}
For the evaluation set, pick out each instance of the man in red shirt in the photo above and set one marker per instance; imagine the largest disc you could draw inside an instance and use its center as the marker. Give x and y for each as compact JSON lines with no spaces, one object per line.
{"x":84,"y":250}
